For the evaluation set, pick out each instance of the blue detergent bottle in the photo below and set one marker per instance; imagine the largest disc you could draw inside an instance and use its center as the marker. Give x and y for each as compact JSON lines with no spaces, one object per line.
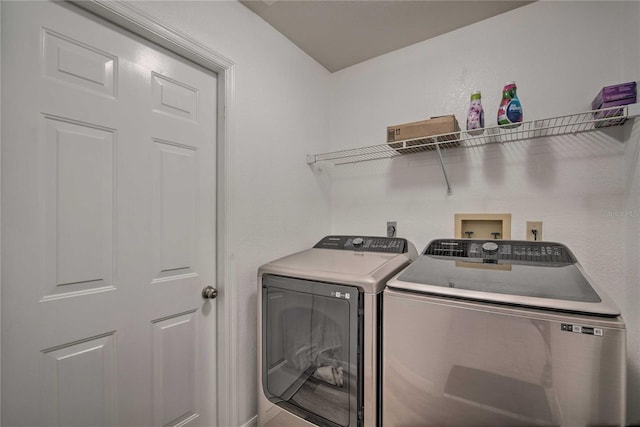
{"x":510,"y":109}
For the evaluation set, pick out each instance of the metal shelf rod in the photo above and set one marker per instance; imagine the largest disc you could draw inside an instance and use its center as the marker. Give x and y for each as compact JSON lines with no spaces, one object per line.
{"x":444,"y":171}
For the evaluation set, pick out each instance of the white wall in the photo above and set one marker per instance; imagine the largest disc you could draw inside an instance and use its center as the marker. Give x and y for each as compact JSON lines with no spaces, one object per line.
{"x":631,"y":217}
{"x":0,"y":238}
{"x":560,"y":54}
{"x":280,"y":114}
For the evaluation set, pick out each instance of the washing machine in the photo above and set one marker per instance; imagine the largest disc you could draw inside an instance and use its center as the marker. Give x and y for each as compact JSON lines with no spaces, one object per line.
{"x":501,"y":333}
{"x":319,"y":331}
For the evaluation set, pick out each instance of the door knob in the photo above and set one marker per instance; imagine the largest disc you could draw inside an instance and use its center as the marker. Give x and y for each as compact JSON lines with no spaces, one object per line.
{"x":209,"y":292}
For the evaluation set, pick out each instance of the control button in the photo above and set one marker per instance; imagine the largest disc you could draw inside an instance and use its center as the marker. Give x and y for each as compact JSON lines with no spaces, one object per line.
{"x":490,"y":247}
{"x":358,"y":241}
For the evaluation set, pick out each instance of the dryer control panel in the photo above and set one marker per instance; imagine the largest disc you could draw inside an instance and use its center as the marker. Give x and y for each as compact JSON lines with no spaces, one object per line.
{"x":393,"y":245}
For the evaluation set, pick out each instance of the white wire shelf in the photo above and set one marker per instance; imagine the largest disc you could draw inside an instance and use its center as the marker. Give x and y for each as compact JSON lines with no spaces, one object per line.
{"x":554,"y":126}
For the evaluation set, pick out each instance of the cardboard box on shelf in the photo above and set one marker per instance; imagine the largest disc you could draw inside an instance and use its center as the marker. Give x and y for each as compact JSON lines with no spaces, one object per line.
{"x":424,"y":130}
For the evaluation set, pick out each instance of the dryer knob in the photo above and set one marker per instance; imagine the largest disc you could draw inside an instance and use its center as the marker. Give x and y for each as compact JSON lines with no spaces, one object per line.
{"x":358,"y":241}
{"x":490,"y":247}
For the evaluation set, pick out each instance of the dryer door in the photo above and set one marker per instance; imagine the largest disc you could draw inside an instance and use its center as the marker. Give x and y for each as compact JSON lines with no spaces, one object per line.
{"x":311,"y":335}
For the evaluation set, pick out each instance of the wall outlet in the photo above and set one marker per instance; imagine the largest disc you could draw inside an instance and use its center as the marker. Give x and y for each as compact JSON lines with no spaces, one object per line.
{"x":392,"y":228}
{"x":534,"y":230}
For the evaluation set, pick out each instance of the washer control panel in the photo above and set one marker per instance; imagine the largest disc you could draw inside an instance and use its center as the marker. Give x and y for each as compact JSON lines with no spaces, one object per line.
{"x":393,"y":245}
{"x":505,"y":250}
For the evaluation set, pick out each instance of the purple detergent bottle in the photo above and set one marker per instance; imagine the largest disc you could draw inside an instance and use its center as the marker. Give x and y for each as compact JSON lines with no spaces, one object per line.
{"x":475,"y":118}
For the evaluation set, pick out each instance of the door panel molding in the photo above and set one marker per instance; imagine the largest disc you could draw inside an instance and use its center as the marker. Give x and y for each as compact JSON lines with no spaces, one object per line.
{"x":79,"y":261}
{"x":138,"y":22}
{"x":82,"y":371}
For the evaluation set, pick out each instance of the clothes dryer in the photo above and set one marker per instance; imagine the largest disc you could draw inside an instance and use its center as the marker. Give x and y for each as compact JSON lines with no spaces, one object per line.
{"x":319,"y":331}
{"x":501,"y":333}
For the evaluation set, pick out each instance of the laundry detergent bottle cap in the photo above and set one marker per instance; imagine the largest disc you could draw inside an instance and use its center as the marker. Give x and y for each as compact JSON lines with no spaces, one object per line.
{"x":475,"y":117}
{"x":510,"y":109}
{"x":510,"y":85}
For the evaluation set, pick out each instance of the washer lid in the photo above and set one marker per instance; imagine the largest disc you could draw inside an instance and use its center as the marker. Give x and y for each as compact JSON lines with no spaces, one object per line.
{"x":494,"y":274}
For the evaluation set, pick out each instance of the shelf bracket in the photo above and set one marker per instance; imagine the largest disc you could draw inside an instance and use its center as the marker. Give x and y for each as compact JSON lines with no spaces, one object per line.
{"x":444,"y":170}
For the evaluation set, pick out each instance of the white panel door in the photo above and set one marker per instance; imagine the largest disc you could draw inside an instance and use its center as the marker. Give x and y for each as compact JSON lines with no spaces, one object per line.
{"x":108,"y":226}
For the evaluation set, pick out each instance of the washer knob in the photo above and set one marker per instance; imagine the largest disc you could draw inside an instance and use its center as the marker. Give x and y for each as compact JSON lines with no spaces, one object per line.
{"x":358,"y":241}
{"x":490,"y":247}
